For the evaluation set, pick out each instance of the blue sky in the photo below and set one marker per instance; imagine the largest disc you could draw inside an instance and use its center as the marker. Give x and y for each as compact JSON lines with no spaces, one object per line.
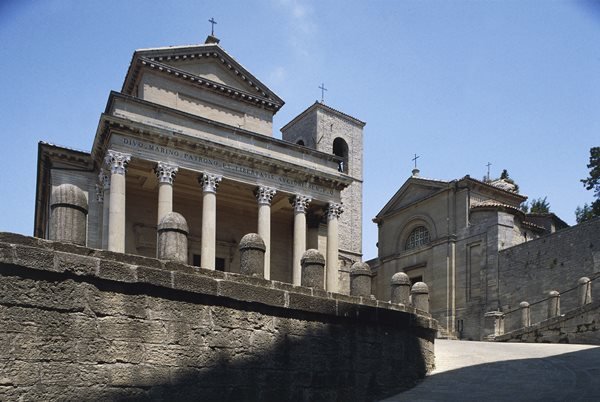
{"x":461,"y":83}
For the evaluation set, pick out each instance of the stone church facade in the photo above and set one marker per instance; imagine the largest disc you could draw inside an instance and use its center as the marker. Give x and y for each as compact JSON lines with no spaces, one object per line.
{"x":191,"y":132}
{"x":448,"y":234}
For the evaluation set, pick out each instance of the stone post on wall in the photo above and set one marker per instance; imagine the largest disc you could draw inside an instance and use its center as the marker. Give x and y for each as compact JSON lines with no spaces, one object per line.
{"x":360,"y":279}
{"x":420,"y":296}
{"x":313,"y":269}
{"x":497,"y":323}
{"x":525,"y":314}
{"x":585,"y":291}
{"x":400,"y":288}
{"x":173,"y":233}
{"x":252,"y":255}
{"x":554,"y":304}
{"x":68,"y":214}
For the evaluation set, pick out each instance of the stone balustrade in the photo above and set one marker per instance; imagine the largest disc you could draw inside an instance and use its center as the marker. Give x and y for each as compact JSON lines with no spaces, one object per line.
{"x":495,"y":319}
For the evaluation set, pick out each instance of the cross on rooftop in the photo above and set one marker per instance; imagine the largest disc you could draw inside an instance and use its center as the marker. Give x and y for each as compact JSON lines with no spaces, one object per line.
{"x":212,"y":28}
{"x":415,"y":159}
{"x":488,"y":166}
{"x":323,"y":89}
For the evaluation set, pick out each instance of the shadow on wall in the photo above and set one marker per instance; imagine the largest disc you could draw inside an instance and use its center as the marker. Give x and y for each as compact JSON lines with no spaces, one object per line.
{"x":75,"y":338}
{"x":563,"y":377}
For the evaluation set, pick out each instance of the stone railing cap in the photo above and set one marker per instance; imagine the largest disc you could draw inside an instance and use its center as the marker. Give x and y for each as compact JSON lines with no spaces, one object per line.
{"x":583,"y":280}
{"x":312,"y":256}
{"x":174,"y":221}
{"x":69,"y":194}
{"x":420,"y":287}
{"x":400,"y":278}
{"x":523,"y":304}
{"x":252,"y":241}
{"x":360,"y":268}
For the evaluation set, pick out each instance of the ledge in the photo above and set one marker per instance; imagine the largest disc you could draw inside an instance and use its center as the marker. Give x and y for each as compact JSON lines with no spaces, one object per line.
{"x":56,"y":257}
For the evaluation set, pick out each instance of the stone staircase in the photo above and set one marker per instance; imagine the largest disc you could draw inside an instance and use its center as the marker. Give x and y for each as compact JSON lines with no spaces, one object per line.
{"x":443,"y":333}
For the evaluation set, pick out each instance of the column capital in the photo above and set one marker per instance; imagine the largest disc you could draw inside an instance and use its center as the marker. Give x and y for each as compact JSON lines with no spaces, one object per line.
{"x":300,"y":203}
{"x":104,"y":179}
{"x":334,"y":210}
{"x":264,"y":195}
{"x":165,"y":172}
{"x":209,"y":182}
{"x":99,"y":193}
{"x":117,"y":161}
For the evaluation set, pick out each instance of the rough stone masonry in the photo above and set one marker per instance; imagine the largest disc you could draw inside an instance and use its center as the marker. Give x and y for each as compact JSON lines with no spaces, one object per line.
{"x":85,"y":324}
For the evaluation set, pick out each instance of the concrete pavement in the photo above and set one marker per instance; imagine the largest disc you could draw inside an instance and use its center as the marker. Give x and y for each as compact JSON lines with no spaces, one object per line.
{"x":486,"y":371}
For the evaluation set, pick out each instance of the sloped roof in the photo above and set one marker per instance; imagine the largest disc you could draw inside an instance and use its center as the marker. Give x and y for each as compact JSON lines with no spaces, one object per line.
{"x":321,"y":105}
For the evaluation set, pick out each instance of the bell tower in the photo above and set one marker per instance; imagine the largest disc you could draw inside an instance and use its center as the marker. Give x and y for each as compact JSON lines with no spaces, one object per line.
{"x":328,"y":130}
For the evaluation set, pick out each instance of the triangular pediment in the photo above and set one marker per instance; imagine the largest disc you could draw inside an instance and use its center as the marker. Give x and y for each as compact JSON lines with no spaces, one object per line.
{"x":207,"y":64}
{"x":213,"y":70}
{"x":413,"y":190}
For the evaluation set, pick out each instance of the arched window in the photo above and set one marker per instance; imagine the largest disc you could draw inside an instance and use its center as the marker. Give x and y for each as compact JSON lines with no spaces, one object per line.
{"x":418,"y":237}
{"x":340,"y":148}
{"x":300,"y":142}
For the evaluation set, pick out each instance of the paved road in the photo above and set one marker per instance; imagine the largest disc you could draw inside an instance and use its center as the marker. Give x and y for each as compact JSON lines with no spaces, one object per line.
{"x":485,"y":371}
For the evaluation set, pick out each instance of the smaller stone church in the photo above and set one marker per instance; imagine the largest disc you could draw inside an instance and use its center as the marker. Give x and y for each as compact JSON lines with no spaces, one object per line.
{"x":448,"y":234}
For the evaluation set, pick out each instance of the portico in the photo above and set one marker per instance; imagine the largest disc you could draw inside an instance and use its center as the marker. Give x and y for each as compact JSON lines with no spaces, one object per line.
{"x":222,"y":194}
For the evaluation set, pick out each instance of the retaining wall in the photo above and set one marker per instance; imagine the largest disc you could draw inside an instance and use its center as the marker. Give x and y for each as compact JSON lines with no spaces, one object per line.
{"x":85,"y":324}
{"x":527,"y":272}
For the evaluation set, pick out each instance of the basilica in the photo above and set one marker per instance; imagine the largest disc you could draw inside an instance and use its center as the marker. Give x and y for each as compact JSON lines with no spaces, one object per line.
{"x":191,"y":131}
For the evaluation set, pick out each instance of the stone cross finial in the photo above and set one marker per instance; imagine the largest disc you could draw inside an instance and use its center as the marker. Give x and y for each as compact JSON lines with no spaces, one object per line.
{"x":212,"y":27}
{"x":300,"y":203}
{"x":165,"y":172}
{"x":415,"y":159}
{"x":264,"y":195}
{"x":323,"y":89}
{"x":117,"y":161}
{"x":210,"y":182}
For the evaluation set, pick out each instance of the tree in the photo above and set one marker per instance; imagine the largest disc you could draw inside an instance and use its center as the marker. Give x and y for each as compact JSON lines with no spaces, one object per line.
{"x":583,"y":214}
{"x":540,"y":206}
{"x":504,"y":176}
{"x":591,"y":183}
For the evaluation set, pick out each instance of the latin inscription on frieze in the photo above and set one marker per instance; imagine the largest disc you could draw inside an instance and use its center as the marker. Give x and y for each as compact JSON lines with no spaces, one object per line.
{"x":198,"y":162}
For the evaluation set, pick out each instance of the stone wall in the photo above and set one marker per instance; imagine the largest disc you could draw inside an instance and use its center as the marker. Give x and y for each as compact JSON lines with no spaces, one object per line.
{"x":85,"y":324}
{"x":580,"y":325}
{"x":527,"y":272}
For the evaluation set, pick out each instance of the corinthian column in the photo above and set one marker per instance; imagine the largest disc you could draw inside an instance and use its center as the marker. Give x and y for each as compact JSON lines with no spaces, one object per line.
{"x":300,"y":203}
{"x":334,"y":210}
{"x":264,"y":196}
{"x":209,"y":183}
{"x":104,"y":179}
{"x":166,"y":174}
{"x":117,"y":162}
